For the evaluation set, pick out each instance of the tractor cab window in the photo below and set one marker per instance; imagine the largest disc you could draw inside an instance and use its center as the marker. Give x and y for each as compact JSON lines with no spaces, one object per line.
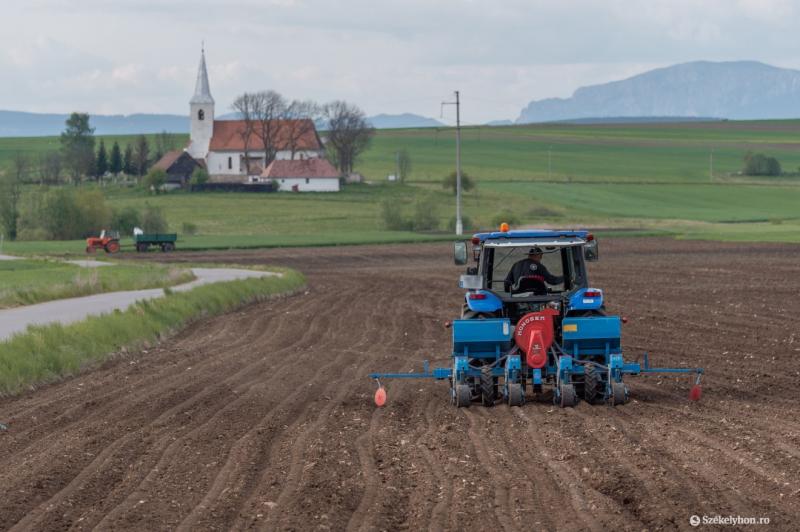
{"x":555,"y":265}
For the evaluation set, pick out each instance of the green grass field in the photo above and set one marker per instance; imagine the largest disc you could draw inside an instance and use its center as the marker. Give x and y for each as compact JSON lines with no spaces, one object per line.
{"x":24,"y":282}
{"x":653,"y":177}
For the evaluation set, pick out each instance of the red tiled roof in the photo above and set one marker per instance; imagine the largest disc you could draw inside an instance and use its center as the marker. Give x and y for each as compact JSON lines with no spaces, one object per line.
{"x":227,"y":135}
{"x":167,"y":160}
{"x":310,"y":168}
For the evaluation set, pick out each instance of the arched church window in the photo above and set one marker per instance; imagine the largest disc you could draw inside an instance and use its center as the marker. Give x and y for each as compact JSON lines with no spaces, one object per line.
{"x":201,"y":115}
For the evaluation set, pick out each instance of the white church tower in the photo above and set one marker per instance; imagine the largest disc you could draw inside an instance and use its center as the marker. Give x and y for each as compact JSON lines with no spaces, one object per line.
{"x":201,"y":107}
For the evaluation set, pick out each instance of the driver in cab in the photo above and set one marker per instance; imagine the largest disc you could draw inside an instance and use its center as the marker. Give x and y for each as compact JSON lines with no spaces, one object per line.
{"x":530,"y":275}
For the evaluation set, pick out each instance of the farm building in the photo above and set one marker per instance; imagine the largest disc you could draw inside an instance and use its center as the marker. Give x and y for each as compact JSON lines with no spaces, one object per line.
{"x":302,"y":175}
{"x":179,"y":166}
{"x":220,"y":143}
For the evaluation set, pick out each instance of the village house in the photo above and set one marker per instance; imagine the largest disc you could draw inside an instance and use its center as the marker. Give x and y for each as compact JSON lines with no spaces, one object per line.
{"x":304,"y":175}
{"x":179,"y":166}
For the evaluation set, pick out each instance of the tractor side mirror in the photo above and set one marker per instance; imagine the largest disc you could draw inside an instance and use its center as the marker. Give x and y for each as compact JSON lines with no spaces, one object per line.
{"x":460,"y":253}
{"x":590,"y":251}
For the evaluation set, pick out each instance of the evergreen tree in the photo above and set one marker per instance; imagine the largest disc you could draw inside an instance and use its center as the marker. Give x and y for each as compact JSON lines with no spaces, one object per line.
{"x":115,"y":164}
{"x":102,"y":161}
{"x":141,"y":156}
{"x":127,"y":160}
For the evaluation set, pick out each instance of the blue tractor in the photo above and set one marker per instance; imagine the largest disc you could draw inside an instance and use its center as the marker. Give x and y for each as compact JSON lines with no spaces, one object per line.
{"x":531,"y":320}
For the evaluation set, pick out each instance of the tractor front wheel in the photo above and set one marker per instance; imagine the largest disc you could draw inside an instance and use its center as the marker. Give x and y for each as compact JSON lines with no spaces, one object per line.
{"x":516,"y":396}
{"x":462,"y":395}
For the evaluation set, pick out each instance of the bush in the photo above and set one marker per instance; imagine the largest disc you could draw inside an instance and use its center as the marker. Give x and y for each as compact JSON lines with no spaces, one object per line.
{"x":199,"y":176}
{"x":505,"y":216}
{"x":153,"y":220}
{"x":760,"y":164}
{"x":392,"y":216}
{"x":449,"y":182}
{"x":95,"y":214}
{"x":189,"y":228}
{"x":466,"y":223}
{"x":61,"y":215}
{"x":425,"y":214}
{"x":125,"y":220}
{"x":155,"y":179}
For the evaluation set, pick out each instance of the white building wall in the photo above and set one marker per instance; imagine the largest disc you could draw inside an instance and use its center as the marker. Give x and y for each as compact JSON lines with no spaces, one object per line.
{"x":218,"y":161}
{"x":201,"y":130}
{"x":309,"y":185}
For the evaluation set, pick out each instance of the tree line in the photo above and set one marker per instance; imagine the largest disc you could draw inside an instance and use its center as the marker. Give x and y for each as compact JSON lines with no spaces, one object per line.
{"x":81,"y":157}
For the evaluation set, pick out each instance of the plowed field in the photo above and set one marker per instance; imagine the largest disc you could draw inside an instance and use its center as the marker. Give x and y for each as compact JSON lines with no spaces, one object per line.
{"x":264,"y":419}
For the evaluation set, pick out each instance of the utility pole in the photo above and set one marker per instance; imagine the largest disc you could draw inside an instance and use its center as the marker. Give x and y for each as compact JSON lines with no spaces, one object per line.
{"x":397,"y":166}
{"x":711,"y":165}
{"x":457,"y":103}
{"x":549,"y":164}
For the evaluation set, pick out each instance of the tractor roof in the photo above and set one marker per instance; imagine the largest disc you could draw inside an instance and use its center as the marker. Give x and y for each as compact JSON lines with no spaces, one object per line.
{"x":526,"y":235}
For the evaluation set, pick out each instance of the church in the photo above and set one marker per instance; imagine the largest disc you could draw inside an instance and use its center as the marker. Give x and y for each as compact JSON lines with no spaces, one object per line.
{"x":218,"y":145}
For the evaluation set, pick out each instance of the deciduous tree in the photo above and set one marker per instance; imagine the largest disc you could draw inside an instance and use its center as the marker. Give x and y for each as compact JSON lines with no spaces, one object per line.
{"x":77,"y":146}
{"x":11,"y":193}
{"x":349,"y":133}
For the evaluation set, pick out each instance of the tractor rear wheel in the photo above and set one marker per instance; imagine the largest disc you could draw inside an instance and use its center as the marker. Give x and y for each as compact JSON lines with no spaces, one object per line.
{"x":567,"y":396}
{"x":112,"y":247}
{"x":462,"y":396}
{"x":168,"y":246}
{"x":516,"y":396}
{"x":591,"y":380}
{"x":618,"y":395}
{"x":487,"y":386}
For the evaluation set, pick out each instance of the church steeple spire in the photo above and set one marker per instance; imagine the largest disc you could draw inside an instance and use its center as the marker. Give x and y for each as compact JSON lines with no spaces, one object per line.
{"x":202,"y":93}
{"x":201,"y":109}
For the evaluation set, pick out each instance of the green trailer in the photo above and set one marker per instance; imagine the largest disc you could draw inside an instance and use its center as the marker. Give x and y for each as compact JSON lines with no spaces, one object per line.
{"x":165,"y":241}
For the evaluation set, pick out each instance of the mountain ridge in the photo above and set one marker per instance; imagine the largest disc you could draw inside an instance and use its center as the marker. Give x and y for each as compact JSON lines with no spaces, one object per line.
{"x":737,"y":90}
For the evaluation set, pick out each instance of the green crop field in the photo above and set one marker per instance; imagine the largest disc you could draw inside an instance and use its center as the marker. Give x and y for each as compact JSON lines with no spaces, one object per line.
{"x":649,"y":177}
{"x":606,"y":153}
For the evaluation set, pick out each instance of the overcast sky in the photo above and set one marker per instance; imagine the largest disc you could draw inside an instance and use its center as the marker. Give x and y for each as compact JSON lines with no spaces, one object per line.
{"x":140,"y":56}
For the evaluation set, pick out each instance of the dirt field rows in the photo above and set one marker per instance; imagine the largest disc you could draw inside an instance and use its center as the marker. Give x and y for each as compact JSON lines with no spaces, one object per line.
{"x":264,"y":418}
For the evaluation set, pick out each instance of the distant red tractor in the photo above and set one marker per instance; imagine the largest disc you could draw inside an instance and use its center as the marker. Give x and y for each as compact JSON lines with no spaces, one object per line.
{"x":108,"y":241}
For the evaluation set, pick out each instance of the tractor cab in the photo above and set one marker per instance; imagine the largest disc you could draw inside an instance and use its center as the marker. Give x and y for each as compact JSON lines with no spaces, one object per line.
{"x":515,"y":272}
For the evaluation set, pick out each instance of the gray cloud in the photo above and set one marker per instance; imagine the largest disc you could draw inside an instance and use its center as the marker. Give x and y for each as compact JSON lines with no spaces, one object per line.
{"x":388,"y":56}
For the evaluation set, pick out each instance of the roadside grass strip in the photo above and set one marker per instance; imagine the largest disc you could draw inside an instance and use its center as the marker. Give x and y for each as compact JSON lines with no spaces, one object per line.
{"x":44,"y":354}
{"x":26,"y":282}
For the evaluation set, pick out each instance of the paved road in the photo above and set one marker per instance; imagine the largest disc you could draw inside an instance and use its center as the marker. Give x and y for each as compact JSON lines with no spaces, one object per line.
{"x":75,"y":309}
